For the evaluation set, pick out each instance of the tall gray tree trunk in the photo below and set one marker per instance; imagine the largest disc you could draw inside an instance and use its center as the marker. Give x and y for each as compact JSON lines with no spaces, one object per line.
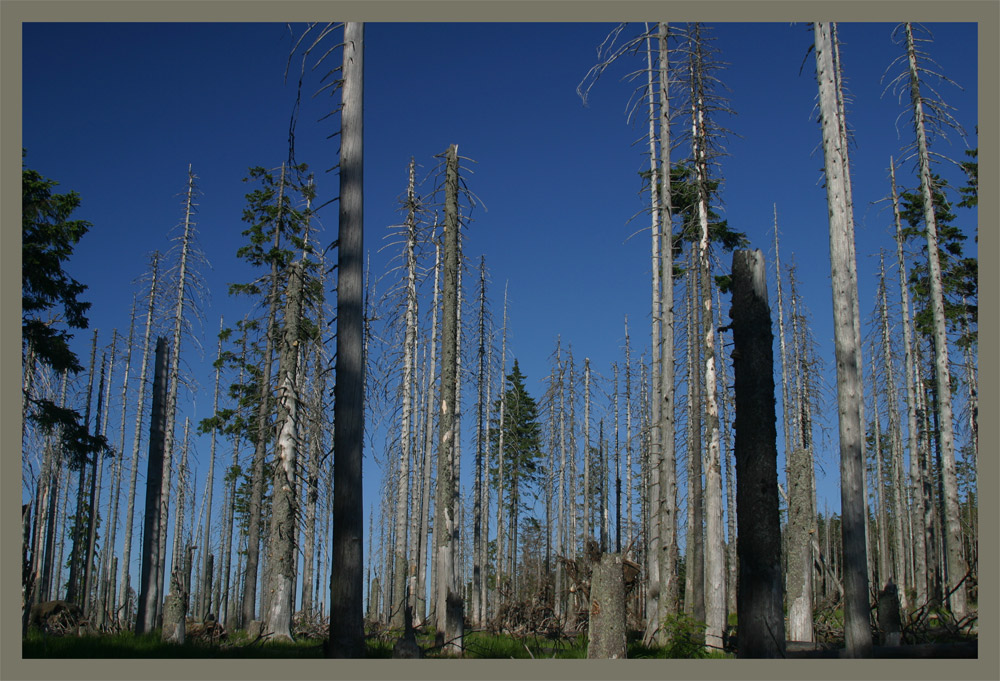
{"x":400,"y":566}
{"x":955,"y":563}
{"x":730,"y":472}
{"x":422,"y":546}
{"x":180,"y":522}
{"x":171,"y":406}
{"x":205,"y":600}
{"x":74,"y":587}
{"x":48,"y":584}
{"x":316,"y":448}
{"x":848,"y":353}
{"x":900,"y":576}
{"x":479,"y":510}
{"x":112,"y":599}
{"x":715,"y":565}
{"x":759,"y":600}
{"x":149,"y":594}
{"x":284,"y":513}
{"x":125,"y":580}
{"x":94,"y":505}
{"x":346,"y":606}
{"x":694,"y":583}
{"x":449,"y":594}
{"x":667,"y":503}
{"x":916,"y":514}
{"x":653,"y":547}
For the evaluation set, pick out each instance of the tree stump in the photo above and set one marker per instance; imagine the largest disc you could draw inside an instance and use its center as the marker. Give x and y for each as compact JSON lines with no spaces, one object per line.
{"x":607,"y":609}
{"x":175,"y":610}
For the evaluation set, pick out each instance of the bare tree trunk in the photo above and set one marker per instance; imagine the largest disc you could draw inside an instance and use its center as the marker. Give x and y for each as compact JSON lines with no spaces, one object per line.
{"x":187,"y":240}
{"x":95,"y":497}
{"x":449,"y":594}
{"x":881,"y":517}
{"x":715,"y":566}
{"x":501,"y":519}
{"x":628,"y":440}
{"x":400,"y":567}
{"x":346,"y":607}
{"x":654,"y":539}
{"x":799,"y":469}
{"x":916,"y":514}
{"x":49,"y":582}
{"x":149,"y":589}
{"x":607,"y":638}
{"x":73,"y":590}
{"x":109,"y":577}
{"x":284,"y":514}
{"x":478,"y":601}
{"x":205,"y":599}
{"x":848,"y":351}
{"x":178,"y":552}
{"x":694,"y":587}
{"x":759,"y":601}
{"x":896,"y":446}
{"x":956,"y":566}
{"x":422,"y":546}
{"x":316,"y":447}
{"x":730,"y":474}
{"x":125,"y":579}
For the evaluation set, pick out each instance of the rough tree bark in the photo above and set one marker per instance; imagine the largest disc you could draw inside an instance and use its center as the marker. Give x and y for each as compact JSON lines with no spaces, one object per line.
{"x":125,"y":579}
{"x":607,"y":609}
{"x":759,"y":599}
{"x":449,"y":594}
{"x":956,"y":566}
{"x":346,"y":606}
{"x":284,"y":510}
{"x":848,"y":354}
{"x":149,"y":592}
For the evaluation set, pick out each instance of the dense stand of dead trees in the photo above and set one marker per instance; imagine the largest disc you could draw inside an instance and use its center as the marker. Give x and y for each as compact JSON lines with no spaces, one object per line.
{"x":636,"y":462}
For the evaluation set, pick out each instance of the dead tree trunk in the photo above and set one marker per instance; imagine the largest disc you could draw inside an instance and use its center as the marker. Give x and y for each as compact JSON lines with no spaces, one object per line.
{"x":848,"y":351}
{"x":759,"y":595}
{"x":607,"y":609}
{"x":346,"y":606}
{"x":148,"y":594}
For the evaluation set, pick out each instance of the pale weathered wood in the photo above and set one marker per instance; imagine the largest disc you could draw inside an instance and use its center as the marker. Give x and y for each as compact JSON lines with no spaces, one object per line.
{"x":607,"y":609}
{"x":448,"y":592}
{"x":848,"y":354}
{"x":956,"y":565}
{"x":346,"y":591}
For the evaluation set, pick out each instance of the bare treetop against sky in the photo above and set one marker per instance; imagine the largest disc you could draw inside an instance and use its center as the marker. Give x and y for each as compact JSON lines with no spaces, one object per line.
{"x":117,"y":112}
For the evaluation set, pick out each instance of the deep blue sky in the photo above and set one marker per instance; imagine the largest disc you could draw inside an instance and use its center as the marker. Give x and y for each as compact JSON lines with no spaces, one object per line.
{"x":116,"y":112}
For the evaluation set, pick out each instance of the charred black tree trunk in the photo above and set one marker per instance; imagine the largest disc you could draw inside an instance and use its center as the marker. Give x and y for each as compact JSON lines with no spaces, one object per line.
{"x":759,"y":595}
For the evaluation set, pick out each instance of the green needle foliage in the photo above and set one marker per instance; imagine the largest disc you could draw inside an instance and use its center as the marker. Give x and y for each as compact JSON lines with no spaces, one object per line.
{"x":50,"y":304}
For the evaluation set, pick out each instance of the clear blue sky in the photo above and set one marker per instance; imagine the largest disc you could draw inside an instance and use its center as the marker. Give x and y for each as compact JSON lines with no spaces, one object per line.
{"x":116,"y":112}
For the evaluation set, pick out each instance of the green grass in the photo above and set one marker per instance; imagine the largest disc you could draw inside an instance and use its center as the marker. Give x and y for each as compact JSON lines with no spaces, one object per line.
{"x":478,"y":645}
{"x":129,"y":645}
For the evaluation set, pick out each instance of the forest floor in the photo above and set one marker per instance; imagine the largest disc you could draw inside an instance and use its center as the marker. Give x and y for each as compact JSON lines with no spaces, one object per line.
{"x":936,"y":635}
{"x":478,"y":645}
